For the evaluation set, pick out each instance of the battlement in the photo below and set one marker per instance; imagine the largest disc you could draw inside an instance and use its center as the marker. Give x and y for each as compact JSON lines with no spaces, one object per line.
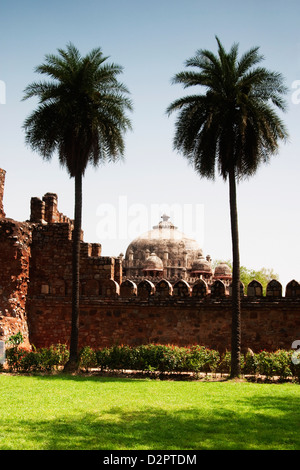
{"x":181,"y":290}
{"x":45,"y":210}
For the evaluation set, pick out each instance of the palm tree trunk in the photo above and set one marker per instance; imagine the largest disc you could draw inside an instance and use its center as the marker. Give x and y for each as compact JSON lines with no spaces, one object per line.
{"x":236,"y":301}
{"x":72,"y":364}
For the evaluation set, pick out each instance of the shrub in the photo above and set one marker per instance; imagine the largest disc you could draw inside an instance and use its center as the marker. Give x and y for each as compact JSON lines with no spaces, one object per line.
{"x":102,"y":358}
{"x":224,"y":363}
{"x":16,"y":357}
{"x":201,"y":359}
{"x":54,"y":356}
{"x":153,"y":357}
{"x":282,"y":363}
{"x":44,"y":359}
{"x":250,"y":364}
{"x":88,"y":358}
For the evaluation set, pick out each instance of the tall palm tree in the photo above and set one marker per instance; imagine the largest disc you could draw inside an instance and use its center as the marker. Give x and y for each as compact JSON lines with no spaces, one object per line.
{"x":230,"y":126}
{"x":81,"y":115}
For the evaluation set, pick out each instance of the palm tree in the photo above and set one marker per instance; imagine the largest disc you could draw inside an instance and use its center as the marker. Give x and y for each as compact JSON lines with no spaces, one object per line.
{"x":232,"y":127}
{"x":81,"y":115}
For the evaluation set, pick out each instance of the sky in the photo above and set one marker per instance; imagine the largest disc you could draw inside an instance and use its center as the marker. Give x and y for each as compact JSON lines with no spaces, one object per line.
{"x":152,"y":41}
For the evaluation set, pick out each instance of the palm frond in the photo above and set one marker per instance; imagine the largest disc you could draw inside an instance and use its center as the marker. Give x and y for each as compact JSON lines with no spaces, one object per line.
{"x":82,"y":111}
{"x":232,"y":122}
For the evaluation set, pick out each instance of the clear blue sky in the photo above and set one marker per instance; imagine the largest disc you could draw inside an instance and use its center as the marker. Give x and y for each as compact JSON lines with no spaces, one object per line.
{"x":152,"y":40}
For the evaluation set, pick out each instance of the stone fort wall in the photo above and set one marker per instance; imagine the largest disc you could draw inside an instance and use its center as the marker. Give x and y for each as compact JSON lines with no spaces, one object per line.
{"x":35,"y":295}
{"x":106,"y":321}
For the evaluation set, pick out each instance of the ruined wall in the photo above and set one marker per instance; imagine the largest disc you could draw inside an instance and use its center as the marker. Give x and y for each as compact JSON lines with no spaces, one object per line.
{"x":36,"y":260}
{"x":51,"y":264}
{"x":15,"y":241}
{"x":45,"y":210}
{"x":2,"y":182}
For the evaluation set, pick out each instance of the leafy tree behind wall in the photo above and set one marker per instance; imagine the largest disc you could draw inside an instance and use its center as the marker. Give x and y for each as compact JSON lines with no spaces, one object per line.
{"x":263,"y":275}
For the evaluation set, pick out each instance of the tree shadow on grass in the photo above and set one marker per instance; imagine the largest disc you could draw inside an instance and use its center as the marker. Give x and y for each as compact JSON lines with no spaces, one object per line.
{"x":272,"y":426}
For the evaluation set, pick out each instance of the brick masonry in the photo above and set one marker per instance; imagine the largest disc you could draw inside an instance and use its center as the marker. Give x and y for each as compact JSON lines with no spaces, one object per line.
{"x":265,"y":324}
{"x":2,"y":182}
{"x":35,"y":295}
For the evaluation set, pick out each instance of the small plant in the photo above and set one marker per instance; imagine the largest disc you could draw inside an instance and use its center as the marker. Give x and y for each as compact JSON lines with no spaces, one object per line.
{"x":250,"y":364}
{"x":15,"y":340}
{"x":88,"y":358}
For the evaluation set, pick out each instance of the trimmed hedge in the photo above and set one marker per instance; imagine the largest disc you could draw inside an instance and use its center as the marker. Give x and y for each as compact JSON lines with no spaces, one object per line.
{"x":151,"y":357}
{"x":156,"y":358}
{"x":44,"y":359}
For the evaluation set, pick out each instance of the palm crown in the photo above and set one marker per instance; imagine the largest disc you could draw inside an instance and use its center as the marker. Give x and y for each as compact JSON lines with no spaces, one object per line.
{"x":232,"y":124}
{"x":81,"y":112}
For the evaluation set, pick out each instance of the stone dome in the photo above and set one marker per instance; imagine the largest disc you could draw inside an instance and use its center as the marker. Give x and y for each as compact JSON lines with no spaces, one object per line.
{"x":153,"y":263}
{"x":163,"y":239}
{"x":201,"y":266}
{"x":222,"y":271}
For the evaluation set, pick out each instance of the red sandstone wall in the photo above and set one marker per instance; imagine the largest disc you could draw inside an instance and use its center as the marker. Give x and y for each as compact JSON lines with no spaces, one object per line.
{"x":265,"y":325}
{"x":2,"y":182}
{"x":39,"y":254}
{"x":15,"y":239}
{"x":51,"y":263}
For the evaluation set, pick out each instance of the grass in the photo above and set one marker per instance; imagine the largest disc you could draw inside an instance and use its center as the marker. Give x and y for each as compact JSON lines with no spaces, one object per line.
{"x":94,"y":413}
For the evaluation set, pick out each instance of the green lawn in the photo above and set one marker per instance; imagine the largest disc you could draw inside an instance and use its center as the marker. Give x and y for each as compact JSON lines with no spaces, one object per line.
{"x":93,"y":413}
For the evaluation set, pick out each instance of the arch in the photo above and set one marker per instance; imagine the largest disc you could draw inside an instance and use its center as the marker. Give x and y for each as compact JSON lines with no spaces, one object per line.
{"x":292,"y":289}
{"x":200,"y":289}
{"x":181,"y":289}
{"x":110,"y":288}
{"x":254,"y":289}
{"x":218,"y":289}
{"x":145,"y":289}
{"x":274,"y":289}
{"x":242,"y":289}
{"x":128,"y":289}
{"x":163,"y":289}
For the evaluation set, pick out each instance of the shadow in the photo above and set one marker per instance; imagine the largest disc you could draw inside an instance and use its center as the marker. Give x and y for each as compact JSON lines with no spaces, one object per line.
{"x":266,"y":423}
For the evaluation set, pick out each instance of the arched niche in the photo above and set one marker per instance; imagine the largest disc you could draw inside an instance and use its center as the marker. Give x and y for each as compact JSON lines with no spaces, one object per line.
{"x":128,"y":289}
{"x":181,"y":289}
{"x":200,"y":289}
{"x":218,"y":289}
{"x":163,"y":289}
{"x":110,"y":288}
{"x":292,"y":289}
{"x":254,"y":289}
{"x":274,"y":289}
{"x":242,"y":289}
{"x":145,"y":289}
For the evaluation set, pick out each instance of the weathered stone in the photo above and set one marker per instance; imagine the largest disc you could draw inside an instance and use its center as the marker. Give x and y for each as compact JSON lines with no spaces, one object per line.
{"x":36,"y":287}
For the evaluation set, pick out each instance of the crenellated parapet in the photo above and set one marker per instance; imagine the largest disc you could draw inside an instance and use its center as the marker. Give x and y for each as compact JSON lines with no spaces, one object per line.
{"x":164,"y":289}
{"x":45,"y":210}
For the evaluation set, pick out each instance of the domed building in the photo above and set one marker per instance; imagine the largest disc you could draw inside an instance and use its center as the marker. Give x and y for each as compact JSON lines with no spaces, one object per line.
{"x":223,"y":272}
{"x":201,"y":268}
{"x":166,"y":252}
